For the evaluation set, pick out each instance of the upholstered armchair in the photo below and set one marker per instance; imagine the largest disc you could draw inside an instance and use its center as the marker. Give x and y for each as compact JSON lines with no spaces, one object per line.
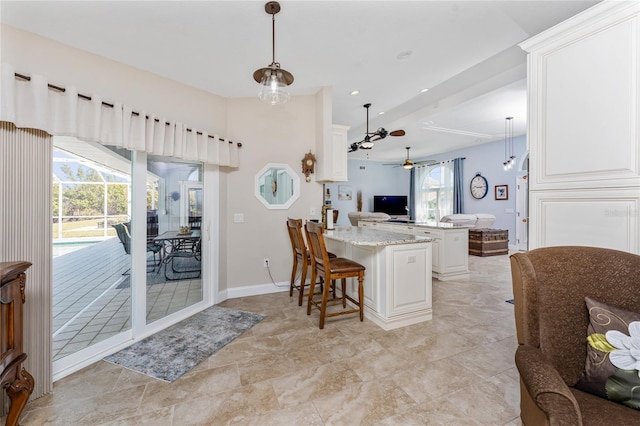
{"x":552,"y":320}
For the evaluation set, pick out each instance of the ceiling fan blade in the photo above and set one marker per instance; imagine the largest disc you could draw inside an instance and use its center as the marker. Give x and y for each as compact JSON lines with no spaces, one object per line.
{"x":377,"y":138}
{"x":425,"y":163}
{"x":399,"y":132}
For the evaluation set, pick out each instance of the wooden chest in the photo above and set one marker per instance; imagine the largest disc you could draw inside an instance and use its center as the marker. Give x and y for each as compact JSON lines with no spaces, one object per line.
{"x":488,"y":242}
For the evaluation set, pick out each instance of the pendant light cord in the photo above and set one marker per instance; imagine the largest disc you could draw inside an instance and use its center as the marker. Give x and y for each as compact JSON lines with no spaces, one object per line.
{"x":273,"y":38}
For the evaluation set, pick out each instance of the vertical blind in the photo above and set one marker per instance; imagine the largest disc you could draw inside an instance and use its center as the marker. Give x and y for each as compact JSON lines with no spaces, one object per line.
{"x":25,"y":235}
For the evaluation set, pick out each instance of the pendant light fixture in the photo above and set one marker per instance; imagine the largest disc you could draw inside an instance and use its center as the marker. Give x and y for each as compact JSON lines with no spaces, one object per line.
{"x":509,"y":157}
{"x":273,"y":79}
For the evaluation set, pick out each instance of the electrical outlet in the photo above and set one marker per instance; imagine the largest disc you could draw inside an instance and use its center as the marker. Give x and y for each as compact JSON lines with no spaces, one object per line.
{"x":266,"y":262}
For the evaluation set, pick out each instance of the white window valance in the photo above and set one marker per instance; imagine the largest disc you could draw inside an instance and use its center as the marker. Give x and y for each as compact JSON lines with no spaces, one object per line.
{"x":32,"y":104}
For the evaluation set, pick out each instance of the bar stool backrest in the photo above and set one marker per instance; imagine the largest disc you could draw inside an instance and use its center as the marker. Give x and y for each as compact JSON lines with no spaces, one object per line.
{"x":317,"y":248}
{"x":294,"y":226}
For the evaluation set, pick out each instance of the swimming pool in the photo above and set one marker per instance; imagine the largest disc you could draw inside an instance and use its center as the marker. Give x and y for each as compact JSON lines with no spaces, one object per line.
{"x":65,"y":247}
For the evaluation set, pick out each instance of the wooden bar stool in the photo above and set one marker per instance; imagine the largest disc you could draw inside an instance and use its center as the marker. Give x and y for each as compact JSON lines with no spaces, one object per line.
{"x":300,"y":257}
{"x":329,"y":270}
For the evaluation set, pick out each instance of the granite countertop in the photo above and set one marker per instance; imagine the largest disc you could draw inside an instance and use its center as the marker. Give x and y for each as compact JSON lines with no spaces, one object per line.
{"x":439,"y":225}
{"x":372,"y":237}
{"x":431,"y":224}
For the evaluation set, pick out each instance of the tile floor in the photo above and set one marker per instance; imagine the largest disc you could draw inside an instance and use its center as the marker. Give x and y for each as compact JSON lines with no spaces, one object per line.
{"x":457,"y":369}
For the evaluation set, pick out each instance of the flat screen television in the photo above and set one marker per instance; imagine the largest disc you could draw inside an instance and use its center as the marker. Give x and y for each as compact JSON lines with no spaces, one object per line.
{"x":393,"y":205}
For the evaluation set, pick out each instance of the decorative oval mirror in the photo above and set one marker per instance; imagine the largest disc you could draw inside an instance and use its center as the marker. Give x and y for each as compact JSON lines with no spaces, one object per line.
{"x":277,"y":186}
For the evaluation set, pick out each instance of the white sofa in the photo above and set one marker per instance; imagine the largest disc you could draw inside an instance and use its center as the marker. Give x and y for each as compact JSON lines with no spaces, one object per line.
{"x":354,"y":217}
{"x":477,"y":220}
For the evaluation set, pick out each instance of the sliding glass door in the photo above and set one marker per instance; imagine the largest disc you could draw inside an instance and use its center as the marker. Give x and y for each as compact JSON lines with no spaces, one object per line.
{"x":128,"y":248}
{"x":91,"y":248}
{"x":174,"y":215}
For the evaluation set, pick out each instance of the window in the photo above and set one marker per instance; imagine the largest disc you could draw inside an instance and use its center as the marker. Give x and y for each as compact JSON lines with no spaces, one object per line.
{"x":433,"y":192}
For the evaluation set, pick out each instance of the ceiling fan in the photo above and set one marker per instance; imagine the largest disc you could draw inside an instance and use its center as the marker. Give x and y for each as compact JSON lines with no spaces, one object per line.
{"x":371,"y":137}
{"x":408,"y":164}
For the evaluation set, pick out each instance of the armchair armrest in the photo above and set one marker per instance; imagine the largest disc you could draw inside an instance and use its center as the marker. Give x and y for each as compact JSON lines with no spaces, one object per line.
{"x":547,"y":389}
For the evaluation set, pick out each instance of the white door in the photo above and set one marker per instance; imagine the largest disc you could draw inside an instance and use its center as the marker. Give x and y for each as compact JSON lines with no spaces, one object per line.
{"x":522,"y":212}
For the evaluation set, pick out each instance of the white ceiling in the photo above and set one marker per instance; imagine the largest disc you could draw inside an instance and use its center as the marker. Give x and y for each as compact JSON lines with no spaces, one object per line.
{"x":464,"y":52}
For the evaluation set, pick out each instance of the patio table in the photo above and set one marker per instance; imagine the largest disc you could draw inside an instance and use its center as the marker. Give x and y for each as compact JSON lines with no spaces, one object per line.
{"x":171,"y":240}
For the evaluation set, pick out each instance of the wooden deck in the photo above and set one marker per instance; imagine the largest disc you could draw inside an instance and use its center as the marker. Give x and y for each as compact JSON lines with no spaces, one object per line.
{"x":89,"y":306}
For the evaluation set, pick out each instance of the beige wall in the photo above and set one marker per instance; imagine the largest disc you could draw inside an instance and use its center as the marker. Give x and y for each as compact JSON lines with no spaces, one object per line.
{"x":269,"y":134}
{"x":143,"y":91}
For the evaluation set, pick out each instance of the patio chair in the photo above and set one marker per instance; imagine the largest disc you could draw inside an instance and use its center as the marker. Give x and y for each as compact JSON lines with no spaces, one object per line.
{"x":125,"y":239}
{"x":123,"y":236}
{"x":186,"y":253}
{"x":123,"y":232}
{"x":195,"y":222}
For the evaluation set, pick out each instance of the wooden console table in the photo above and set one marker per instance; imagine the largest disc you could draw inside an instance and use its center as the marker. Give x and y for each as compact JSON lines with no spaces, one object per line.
{"x":13,"y":377}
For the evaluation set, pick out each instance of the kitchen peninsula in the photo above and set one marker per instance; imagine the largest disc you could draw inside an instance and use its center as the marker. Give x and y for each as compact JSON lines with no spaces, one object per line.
{"x":450,"y":244}
{"x":397,"y":280}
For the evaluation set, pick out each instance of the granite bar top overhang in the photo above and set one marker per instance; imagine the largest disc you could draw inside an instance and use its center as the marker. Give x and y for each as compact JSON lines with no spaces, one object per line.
{"x":372,"y":237}
{"x":429,"y":224}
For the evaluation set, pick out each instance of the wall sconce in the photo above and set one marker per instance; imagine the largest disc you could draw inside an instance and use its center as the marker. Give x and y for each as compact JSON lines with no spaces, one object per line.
{"x":509,"y":157}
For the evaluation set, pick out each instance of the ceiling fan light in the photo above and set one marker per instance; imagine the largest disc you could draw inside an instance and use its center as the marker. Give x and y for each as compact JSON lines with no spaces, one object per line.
{"x":366,"y":145}
{"x":407,"y":166}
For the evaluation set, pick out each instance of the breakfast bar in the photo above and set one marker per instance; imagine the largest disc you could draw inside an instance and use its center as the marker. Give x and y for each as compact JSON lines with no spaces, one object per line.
{"x":397,"y":281}
{"x":450,"y":244}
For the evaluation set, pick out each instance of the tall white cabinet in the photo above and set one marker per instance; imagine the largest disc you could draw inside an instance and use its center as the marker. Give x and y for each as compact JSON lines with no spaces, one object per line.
{"x":332,"y":158}
{"x":584,"y":130}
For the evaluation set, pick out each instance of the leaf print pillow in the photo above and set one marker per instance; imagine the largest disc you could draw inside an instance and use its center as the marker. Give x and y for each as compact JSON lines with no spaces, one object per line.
{"x":612,"y":367}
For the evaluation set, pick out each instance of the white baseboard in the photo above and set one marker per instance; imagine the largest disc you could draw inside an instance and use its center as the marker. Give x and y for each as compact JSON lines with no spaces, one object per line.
{"x":253,"y":290}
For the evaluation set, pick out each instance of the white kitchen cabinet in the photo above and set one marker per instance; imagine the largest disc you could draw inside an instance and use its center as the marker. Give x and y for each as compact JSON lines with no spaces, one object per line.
{"x":583,"y":130}
{"x":380,"y":226}
{"x":450,"y":251}
{"x":450,"y":246}
{"x":332,"y":156}
{"x":397,"y":280}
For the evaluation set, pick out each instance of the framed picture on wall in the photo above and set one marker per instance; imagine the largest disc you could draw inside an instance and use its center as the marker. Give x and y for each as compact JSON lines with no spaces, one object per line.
{"x":345,"y":192}
{"x":502,"y":192}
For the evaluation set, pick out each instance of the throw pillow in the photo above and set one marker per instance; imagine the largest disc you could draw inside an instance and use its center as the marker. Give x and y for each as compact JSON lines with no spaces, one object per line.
{"x":612,"y":368}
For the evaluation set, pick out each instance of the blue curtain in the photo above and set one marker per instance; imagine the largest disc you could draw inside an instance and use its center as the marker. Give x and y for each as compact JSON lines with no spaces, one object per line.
{"x":412,"y":194}
{"x":458,"y":194}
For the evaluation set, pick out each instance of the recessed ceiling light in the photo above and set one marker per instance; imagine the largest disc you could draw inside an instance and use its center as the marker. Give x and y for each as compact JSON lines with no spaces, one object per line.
{"x":381,"y":112}
{"x":424,"y":90}
{"x":404,"y":54}
{"x":354,"y":92}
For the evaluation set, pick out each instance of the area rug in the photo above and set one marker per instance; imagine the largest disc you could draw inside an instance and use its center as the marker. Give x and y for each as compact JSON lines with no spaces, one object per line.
{"x":172,"y":352}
